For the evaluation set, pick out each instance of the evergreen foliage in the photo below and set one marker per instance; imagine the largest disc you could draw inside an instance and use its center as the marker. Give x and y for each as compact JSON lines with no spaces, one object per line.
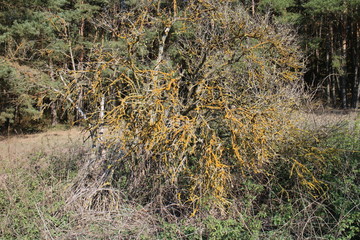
{"x":330,"y":33}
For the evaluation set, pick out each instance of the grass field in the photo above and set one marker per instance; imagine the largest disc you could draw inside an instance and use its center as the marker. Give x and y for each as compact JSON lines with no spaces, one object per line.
{"x":17,"y":147}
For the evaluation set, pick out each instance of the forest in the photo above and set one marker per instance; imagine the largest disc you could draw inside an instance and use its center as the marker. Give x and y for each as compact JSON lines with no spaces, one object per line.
{"x":200,"y":119}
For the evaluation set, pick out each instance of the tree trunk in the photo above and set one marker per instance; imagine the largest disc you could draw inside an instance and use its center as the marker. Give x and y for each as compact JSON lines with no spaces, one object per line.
{"x":356,"y":90}
{"x":343,"y":73}
{"x":101,"y":132}
{"x":98,"y":157}
{"x":357,"y":66}
{"x":54,"y":117}
{"x":333,"y":77}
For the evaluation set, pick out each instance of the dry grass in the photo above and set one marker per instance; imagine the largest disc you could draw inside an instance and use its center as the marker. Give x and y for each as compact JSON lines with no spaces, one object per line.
{"x":16,"y":150}
{"x":127,"y":221}
{"x":19,"y":147}
{"x":34,"y":181}
{"x":325,"y":118}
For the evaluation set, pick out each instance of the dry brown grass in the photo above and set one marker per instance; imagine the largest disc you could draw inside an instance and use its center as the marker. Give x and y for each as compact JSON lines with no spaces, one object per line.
{"x":19,"y":147}
{"x":16,"y":150}
{"x":325,"y":118}
{"x":34,"y":183}
{"x":128,"y":222}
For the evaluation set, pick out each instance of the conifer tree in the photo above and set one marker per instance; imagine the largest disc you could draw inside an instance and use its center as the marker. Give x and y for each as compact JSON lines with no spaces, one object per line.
{"x":330,"y":31}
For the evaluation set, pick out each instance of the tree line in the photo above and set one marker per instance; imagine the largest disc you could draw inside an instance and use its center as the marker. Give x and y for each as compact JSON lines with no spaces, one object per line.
{"x":329,"y":33}
{"x":38,"y":38}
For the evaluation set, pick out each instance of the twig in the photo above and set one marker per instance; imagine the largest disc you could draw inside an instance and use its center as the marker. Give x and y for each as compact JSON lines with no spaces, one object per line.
{"x":43,"y":220}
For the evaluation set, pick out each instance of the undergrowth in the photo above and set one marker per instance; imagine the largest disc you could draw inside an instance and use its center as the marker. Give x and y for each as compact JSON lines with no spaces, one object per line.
{"x":31,"y":193}
{"x":276,"y":205}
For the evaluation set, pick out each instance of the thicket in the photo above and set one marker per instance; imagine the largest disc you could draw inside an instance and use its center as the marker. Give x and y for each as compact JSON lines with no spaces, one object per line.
{"x":195,"y":100}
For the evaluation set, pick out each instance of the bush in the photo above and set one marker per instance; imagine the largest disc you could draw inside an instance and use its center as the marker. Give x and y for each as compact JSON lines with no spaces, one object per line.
{"x":207,"y":112}
{"x":323,"y":197}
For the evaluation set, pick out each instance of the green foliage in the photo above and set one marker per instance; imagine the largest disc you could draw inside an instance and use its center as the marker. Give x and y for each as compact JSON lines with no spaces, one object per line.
{"x":229,"y":229}
{"x":343,"y":179}
{"x":31,"y":198}
{"x":210,"y":228}
{"x":332,"y":156}
{"x":282,"y":10}
{"x":318,"y":6}
{"x":25,"y":91}
{"x":48,"y":36}
{"x":17,"y":96}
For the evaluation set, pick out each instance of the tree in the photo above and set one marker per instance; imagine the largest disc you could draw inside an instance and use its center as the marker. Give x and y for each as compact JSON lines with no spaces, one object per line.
{"x":194,"y":96}
{"x":45,"y":36}
{"x":22,"y":33}
{"x":329,"y":31}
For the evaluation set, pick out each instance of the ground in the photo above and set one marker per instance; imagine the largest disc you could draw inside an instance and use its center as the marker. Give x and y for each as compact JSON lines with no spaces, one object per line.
{"x":18,"y":147}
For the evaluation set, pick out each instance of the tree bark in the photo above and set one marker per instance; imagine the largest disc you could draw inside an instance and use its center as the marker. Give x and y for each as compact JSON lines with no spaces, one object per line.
{"x":54,"y":117}
{"x":343,"y":74}
{"x":356,"y":93}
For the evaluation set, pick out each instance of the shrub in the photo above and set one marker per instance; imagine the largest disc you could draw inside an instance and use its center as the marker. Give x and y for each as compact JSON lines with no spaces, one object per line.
{"x":207,"y":111}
